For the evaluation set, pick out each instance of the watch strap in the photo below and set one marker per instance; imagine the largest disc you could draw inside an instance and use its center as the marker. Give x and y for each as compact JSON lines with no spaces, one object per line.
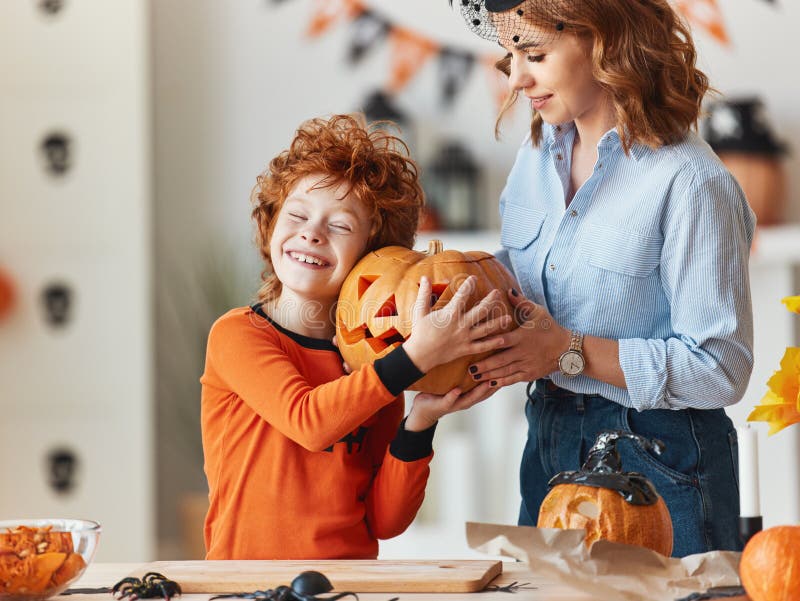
{"x":576,"y":341}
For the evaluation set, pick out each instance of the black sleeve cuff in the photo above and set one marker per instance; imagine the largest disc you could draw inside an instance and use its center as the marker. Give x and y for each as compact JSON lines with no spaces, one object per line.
{"x":412,"y":446}
{"x":396,"y":371}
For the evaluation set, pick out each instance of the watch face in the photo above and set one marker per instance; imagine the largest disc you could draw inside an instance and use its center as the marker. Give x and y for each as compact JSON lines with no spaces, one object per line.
{"x":571,"y":363}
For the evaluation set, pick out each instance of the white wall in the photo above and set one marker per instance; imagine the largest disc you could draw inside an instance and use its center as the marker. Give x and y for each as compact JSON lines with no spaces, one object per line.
{"x":85,"y":385}
{"x":234,"y":79}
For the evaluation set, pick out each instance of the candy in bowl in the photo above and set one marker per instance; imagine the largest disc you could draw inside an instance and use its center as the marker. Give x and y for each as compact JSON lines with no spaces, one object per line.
{"x":39,"y":558}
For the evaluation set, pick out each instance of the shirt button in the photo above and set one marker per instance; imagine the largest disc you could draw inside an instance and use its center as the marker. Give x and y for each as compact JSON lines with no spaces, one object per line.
{"x":560,"y":157}
{"x":574,"y":213}
{"x":552,"y":267}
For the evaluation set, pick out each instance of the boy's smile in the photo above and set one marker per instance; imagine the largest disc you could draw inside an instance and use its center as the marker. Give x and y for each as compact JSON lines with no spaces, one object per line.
{"x":308,"y":259}
{"x":319,"y":235}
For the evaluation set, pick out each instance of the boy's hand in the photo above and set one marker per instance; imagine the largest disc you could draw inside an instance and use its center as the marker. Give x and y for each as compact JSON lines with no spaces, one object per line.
{"x":440,"y":336}
{"x":428,"y":408}
{"x":345,"y":365}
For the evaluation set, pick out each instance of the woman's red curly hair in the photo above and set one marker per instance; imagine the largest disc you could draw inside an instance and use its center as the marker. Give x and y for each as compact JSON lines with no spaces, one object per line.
{"x":643,"y":55}
{"x":373,"y":164}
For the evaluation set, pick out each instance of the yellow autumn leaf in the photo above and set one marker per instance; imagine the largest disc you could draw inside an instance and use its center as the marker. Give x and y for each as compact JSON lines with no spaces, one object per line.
{"x":785,"y":382}
{"x":792,"y":303}
{"x":780,"y":407}
{"x":778,"y":416}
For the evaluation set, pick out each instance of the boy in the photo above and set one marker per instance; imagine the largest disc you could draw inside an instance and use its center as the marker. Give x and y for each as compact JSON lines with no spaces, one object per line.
{"x":303,"y":461}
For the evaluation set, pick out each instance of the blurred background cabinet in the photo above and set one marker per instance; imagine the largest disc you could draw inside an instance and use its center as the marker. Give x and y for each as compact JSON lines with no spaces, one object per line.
{"x":75,"y":243}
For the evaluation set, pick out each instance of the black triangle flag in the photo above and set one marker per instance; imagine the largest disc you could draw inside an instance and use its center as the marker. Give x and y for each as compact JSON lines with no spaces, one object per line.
{"x":368,"y":29}
{"x":454,"y":68}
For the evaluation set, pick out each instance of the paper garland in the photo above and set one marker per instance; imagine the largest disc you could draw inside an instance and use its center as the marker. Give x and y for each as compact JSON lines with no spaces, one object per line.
{"x":707,"y":15}
{"x":410,"y":51}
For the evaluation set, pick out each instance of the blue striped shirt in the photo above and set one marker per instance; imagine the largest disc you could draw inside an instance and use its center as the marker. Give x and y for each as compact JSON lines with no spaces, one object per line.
{"x":651,"y":251}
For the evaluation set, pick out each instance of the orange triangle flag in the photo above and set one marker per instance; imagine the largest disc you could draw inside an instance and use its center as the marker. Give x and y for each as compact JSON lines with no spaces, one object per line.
{"x":706,"y":14}
{"x":409,"y":53}
{"x":327,"y":12}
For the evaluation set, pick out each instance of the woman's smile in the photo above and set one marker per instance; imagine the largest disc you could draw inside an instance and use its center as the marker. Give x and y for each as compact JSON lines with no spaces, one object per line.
{"x":539,"y":102}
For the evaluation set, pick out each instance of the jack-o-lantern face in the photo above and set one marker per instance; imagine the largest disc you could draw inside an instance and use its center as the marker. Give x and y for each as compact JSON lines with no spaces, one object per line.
{"x":605,"y":514}
{"x":608,"y":503}
{"x":375,"y":308}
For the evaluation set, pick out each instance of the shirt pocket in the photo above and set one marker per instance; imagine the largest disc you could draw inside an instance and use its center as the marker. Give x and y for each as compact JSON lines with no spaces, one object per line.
{"x":622,"y":251}
{"x":521,"y":226}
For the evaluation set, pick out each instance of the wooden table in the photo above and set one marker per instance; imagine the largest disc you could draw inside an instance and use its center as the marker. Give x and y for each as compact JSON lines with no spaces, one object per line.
{"x":106,"y":574}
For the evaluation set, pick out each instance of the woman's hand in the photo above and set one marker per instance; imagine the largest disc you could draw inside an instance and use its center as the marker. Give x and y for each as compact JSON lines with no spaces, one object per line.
{"x":428,"y":408}
{"x":451,"y":332}
{"x":531,"y":351}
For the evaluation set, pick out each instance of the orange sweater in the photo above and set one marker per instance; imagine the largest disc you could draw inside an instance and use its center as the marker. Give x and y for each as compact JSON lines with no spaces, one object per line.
{"x":297,"y":454}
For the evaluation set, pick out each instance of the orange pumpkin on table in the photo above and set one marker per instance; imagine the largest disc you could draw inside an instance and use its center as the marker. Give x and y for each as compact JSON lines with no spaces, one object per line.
{"x":608,"y":503}
{"x":374,"y":312}
{"x":770,"y":565}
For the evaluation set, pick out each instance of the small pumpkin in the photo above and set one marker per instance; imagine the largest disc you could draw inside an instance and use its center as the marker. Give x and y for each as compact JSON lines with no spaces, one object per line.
{"x":6,"y":294}
{"x":375,"y":307}
{"x":608,"y":503}
{"x":770,"y":564}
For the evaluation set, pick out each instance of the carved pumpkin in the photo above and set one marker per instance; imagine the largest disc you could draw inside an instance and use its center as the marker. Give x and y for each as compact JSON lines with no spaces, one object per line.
{"x":770,"y":565}
{"x":375,"y":308}
{"x":609,"y":504}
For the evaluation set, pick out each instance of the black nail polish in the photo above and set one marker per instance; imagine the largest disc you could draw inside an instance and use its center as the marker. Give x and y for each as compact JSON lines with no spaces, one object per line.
{"x":473,"y":369}
{"x":493,"y":383}
{"x":478,"y":376}
{"x":514,"y":292}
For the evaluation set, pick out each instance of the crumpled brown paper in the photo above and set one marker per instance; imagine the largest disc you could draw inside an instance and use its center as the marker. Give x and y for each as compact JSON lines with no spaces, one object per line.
{"x":608,"y":571}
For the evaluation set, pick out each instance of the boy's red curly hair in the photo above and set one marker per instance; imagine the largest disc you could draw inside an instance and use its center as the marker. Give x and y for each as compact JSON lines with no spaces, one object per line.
{"x":373,"y":164}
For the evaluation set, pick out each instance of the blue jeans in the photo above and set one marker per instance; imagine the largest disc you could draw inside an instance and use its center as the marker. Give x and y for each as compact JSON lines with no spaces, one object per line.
{"x":697,"y":475}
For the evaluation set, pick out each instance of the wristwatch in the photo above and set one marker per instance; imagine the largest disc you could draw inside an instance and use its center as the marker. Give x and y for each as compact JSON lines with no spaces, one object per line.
{"x":571,"y":362}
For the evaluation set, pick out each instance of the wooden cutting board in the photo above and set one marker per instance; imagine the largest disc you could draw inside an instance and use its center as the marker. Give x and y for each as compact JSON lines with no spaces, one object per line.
{"x":360,"y":576}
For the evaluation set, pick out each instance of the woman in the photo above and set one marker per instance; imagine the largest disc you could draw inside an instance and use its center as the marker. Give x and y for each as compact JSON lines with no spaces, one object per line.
{"x":631,"y":241}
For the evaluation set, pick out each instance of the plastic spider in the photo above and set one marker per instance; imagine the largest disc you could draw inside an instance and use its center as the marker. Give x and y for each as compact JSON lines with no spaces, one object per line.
{"x":151,"y":585}
{"x":305,"y":587}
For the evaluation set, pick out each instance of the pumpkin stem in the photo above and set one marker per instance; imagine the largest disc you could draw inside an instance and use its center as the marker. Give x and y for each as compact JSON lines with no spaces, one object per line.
{"x":604,"y":457}
{"x":435,"y":247}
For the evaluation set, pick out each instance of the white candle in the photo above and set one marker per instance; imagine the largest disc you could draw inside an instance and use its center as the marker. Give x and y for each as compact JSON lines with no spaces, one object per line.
{"x":749,"y":502}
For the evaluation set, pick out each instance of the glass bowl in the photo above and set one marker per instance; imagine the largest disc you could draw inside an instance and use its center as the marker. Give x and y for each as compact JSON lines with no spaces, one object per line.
{"x":41,"y":558}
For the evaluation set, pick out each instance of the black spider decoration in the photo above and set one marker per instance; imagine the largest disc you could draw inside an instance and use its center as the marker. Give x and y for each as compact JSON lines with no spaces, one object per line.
{"x":509,"y":588}
{"x":149,"y":586}
{"x":305,"y":587}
